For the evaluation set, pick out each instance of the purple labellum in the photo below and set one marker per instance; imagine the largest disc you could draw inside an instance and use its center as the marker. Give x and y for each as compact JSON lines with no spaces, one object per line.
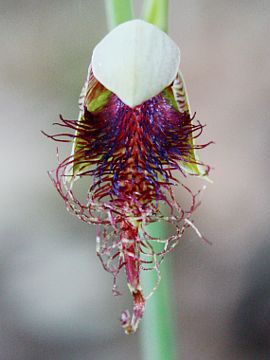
{"x":130,"y":156}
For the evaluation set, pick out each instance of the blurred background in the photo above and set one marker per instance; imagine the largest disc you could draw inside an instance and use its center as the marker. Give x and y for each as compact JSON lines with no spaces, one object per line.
{"x":55,"y":298}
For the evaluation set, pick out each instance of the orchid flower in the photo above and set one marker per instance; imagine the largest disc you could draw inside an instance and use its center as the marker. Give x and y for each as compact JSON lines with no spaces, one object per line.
{"x":133,"y":134}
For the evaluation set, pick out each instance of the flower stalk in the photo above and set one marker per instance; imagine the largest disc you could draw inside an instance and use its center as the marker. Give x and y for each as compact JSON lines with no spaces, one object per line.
{"x":157,"y":333}
{"x":158,"y":328}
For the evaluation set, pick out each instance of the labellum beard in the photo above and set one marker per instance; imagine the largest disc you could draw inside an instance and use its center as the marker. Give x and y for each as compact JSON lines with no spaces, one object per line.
{"x":130,"y":154}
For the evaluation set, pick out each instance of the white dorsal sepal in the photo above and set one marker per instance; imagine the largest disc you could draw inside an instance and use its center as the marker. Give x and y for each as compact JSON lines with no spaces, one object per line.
{"x":136,"y":61}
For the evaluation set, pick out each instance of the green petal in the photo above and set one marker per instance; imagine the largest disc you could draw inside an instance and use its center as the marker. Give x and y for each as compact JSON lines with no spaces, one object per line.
{"x":94,"y":97}
{"x":169,"y":96}
{"x":181,"y":99}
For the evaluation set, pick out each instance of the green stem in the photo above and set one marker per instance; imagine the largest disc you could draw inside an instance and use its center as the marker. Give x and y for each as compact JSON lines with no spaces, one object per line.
{"x":118,"y":11}
{"x":157,"y":329}
{"x":156,"y":12}
{"x":157,"y":325}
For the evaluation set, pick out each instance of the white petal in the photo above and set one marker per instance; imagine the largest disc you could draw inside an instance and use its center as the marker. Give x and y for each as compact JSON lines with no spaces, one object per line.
{"x":136,"y":61}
